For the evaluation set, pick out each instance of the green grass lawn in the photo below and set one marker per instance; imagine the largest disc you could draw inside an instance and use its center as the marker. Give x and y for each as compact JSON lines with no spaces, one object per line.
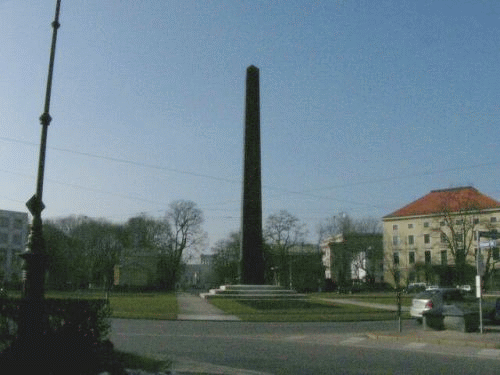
{"x":161,"y":306}
{"x":298,"y":311}
{"x":148,"y":305}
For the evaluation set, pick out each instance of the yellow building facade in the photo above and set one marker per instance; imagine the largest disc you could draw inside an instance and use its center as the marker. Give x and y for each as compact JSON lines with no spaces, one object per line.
{"x":421,"y":240}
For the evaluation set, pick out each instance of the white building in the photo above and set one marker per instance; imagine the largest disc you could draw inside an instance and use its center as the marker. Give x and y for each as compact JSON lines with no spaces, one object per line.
{"x":355,"y":256}
{"x":13,"y":237}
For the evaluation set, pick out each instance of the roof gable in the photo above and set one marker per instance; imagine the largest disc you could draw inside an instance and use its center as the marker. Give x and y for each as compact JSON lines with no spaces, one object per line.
{"x":451,"y":200}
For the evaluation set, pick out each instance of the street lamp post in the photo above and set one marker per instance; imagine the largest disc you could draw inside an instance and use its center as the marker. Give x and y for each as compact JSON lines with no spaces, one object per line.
{"x":32,"y":323}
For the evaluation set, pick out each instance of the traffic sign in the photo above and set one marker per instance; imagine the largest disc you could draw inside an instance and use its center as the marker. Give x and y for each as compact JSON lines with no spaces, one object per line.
{"x":492,"y":243}
{"x":489,"y":234}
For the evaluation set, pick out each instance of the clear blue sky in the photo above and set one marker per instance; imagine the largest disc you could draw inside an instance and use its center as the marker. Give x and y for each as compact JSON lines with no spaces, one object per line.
{"x":365,"y":105}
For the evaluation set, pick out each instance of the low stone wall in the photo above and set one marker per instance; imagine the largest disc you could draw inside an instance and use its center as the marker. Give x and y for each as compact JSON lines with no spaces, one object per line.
{"x":462,"y":321}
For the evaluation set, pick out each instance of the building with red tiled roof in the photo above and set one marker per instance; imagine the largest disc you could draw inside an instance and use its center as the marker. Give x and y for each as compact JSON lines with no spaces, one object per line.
{"x":454,"y":199}
{"x":423,"y":238}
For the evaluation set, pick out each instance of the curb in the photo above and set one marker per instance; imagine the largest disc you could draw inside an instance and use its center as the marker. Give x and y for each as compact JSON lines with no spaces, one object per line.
{"x":437,"y":341}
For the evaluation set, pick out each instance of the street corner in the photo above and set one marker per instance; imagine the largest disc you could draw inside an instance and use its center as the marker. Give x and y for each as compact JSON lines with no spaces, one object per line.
{"x":445,"y":337}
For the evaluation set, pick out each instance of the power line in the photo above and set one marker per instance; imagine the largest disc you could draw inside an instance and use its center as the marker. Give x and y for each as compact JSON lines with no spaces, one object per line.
{"x":428,"y":173}
{"x":282,"y":190}
{"x":125,"y":161}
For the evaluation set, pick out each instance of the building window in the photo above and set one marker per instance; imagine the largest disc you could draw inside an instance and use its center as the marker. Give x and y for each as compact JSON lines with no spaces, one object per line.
{"x":427,"y":257}
{"x":459,"y":222}
{"x":475,"y":221}
{"x":493,"y":219}
{"x":395,"y":258}
{"x":427,"y":238}
{"x":411,"y":239}
{"x":496,"y":253}
{"x":410,"y":226}
{"x":412,"y":277}
{"x":442,"y":223}
{"x":444,"y":258}
{"x":18,"y":223}
{"x":395,"y":227}
{"x":426,"y":224}
{"x":395,"y":240}
{"x":443,"y":238}
{"x":411,"y":257}
{"x":4,"y":222}
{"x":397,"y":277}
{"x":16,"y":239}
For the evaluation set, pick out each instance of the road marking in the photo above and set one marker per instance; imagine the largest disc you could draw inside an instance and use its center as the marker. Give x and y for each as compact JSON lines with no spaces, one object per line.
{"x":207,"y":317}
{"x":352,"y":340}
{"x":295,"y":338}
{"x":489,"y":352}
{"x":416,"y":345}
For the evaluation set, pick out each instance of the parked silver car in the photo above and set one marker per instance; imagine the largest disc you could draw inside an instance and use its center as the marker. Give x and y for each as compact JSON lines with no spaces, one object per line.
{"x":435,"y":299}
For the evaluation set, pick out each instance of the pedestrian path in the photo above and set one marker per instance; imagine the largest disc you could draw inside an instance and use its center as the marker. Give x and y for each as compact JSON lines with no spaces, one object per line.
{"x":193,"y":307}
{"x":349,"y":301}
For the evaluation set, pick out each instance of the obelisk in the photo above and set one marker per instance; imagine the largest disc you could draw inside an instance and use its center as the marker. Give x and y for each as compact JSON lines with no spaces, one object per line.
{"x":251,"y":256}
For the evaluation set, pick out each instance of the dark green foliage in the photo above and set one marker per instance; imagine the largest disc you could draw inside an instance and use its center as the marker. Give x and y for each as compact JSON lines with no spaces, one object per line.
{"x":74,"y":339}
{"x":226,"y":259}
{"x":307,"y":272}
{"x":168,"y":271}
{"x":84,"y":253}
{"x":81,"y":251}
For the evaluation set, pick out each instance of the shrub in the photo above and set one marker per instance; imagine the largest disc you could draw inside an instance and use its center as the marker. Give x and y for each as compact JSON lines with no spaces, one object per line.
{"x":74,"y":338}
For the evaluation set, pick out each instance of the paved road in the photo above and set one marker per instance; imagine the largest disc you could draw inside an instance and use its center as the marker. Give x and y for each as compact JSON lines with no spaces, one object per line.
{"x":307,"y":348}
{"x":205,"y":340}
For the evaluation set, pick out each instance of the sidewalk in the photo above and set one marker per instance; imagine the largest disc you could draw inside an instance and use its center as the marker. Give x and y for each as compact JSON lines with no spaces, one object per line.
{"x":490,"y":338}
{"x":194,"y":307}
{"x":348,"y":301}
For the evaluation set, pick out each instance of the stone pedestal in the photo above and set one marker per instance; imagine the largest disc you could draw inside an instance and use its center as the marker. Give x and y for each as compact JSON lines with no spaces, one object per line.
{"x":253,"y":292}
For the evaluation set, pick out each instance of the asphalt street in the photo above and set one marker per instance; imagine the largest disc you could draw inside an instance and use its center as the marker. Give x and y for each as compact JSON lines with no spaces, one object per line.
{"x":231,"y":347}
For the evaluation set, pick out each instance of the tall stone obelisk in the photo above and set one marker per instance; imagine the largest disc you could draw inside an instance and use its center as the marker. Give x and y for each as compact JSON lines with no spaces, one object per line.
{"x":251,"y":257}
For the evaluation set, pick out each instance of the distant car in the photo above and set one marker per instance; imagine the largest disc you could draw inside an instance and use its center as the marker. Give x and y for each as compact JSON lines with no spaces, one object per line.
{"x":432,"y":287}
{"x":414,"y":288}
{"x":436,"y":299}
{"x":465,"y":288}
{"x":433,"y":299}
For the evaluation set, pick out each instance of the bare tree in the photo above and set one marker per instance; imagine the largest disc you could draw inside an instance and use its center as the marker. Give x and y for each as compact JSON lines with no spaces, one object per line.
{"x":459,"y":216}
{"x":368,"y":225}
{"x":491,"y":259}
{"x":146,"y":235}
{"x":356,"y":245}
{"x":283,"y":231}
{"x":187,"y":237}
{"x":395,"y":264}
{"x":344,"y":224}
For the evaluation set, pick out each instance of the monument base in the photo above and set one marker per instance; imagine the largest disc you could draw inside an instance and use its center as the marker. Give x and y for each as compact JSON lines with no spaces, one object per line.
{"x":253,"y":292}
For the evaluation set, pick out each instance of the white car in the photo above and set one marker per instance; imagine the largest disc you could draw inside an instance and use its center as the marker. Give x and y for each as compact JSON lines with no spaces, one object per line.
{"x":465,"y":288}
{"x":434,"y":299}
